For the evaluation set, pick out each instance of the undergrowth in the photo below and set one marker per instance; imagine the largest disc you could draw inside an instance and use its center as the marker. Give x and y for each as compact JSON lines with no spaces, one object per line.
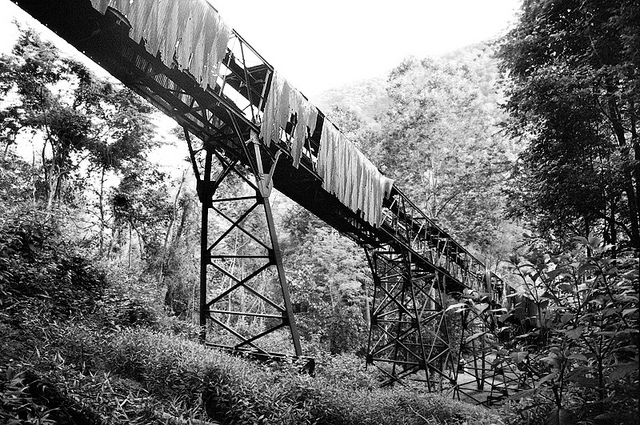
{"x":77,"y":348}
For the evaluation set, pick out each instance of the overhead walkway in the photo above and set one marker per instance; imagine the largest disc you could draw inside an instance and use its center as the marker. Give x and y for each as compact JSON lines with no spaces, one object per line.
{"x":242,"y":119}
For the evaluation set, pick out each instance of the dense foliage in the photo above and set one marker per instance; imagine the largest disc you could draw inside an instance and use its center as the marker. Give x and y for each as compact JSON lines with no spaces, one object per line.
{"x":329,"y":276}
{"x":571,"y":71}
{"x":77,"y":145}
{"x":437,"y":141}
{"x":435,"y":129}
{"x":573,"y":96}
{"x":581,"y":341}
{"x":72,"y":114}
{"x":74,"y":352}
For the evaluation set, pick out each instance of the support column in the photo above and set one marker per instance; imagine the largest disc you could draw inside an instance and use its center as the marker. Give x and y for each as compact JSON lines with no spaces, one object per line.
{"x":408,"y":338}
{"x":490,"y":375}
{"x":245,"y":301}
{"x":204,"y":193}
{"x":288,"y":316}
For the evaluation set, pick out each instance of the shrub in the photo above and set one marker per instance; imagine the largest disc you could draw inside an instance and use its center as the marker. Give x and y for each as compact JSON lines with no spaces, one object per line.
{"x":132,"y":364}
{"x":38,"y":268}
{"x":585,"y":339}
{"x":235,"y":390}
{"x":17,"y":405}
{"x":347,"y":370}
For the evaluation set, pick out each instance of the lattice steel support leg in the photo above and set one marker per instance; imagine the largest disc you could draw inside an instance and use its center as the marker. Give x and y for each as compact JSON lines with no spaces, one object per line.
{"x":205,"y":201}
{"x":408,"y":337}
{"x":284,"y":285}
{"x":246,"y":270}
{"x":490,"y":375}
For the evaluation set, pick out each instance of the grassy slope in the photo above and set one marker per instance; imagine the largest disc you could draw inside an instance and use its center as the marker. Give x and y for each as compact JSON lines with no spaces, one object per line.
{"x":70,"y":354}
{"x":143,"y":376}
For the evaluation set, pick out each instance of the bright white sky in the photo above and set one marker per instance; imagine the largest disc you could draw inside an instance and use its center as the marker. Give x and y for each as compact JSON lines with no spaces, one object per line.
{"x":319,"y":45}
{"x":323,"y":44}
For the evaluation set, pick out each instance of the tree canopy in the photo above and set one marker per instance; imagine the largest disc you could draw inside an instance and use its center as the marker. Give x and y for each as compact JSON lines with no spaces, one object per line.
{"x":573,"y":73}
{"x":68,"y":114}
{"x":435,"y":127}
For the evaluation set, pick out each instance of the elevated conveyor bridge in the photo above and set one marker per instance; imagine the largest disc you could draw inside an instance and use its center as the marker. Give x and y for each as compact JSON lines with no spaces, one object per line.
{"x":181,"y":57}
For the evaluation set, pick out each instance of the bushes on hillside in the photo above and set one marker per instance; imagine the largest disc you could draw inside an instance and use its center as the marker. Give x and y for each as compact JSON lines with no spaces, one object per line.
{"x":582,"y":345}
{"x":234,"y":390}
{"x":41,"y":272}
{"x":49,"y":391}
{"x":76,"y":350}
{"x":125,"y":370}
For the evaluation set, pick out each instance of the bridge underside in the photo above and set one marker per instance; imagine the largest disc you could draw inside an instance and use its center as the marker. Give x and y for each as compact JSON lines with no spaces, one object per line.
{"x":418,"y":269}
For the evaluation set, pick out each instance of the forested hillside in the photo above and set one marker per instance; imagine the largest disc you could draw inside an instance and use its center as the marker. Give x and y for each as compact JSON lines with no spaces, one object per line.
{"x":525,"y":149}
{"x":435,"y":126}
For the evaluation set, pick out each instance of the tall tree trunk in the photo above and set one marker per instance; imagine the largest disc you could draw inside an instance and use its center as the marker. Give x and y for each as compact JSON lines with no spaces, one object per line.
{"x":101,"y":211}
{"x":53,"y":188}
{"x":587,"y":229}
{"x":632,"y":200}
{"x":635,"y":143}
{"x":629,"y":187}
{"x":130,"y":243}
{"x":167,"y":248}
{"x":6,"y":149}
{"x":614,"y":231}
{"x":48,"y":174}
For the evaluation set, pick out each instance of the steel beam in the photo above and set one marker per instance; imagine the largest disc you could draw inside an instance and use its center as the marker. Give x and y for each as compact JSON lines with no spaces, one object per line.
{"x":249,"y":272}
{"x":409,"y":333}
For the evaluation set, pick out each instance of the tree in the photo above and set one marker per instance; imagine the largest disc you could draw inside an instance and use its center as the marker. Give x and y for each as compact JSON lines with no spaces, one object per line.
{"x":176,"y":268}
{"x":440,"y":142}
{"x":68,"y":108}
{"x":121,"y":134}
{"x":42,"y":81}
{"x":573,"y":72}
{"x":141,"y":207}
{"x":328,"y":275}
{"x":583,"y":344}
{"x":77,"y":121}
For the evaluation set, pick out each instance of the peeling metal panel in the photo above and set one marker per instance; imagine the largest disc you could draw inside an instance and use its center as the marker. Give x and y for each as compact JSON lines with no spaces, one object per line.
{"x":166,"y":10}
{"x":307,"y":115}
{"x":189,"y":33}
{"x":283,"y":102}
{"x":100,"y":5}
{"x":345,"y":171}
{"x":350,"y":176}
{"x":277,"y":110}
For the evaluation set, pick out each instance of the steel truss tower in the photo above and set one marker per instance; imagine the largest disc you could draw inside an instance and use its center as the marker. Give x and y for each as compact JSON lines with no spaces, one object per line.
{"x":241,"y":262}
{"x":419,"y":332}
{"x":434,"y":312}
{"x":409,"y":332}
